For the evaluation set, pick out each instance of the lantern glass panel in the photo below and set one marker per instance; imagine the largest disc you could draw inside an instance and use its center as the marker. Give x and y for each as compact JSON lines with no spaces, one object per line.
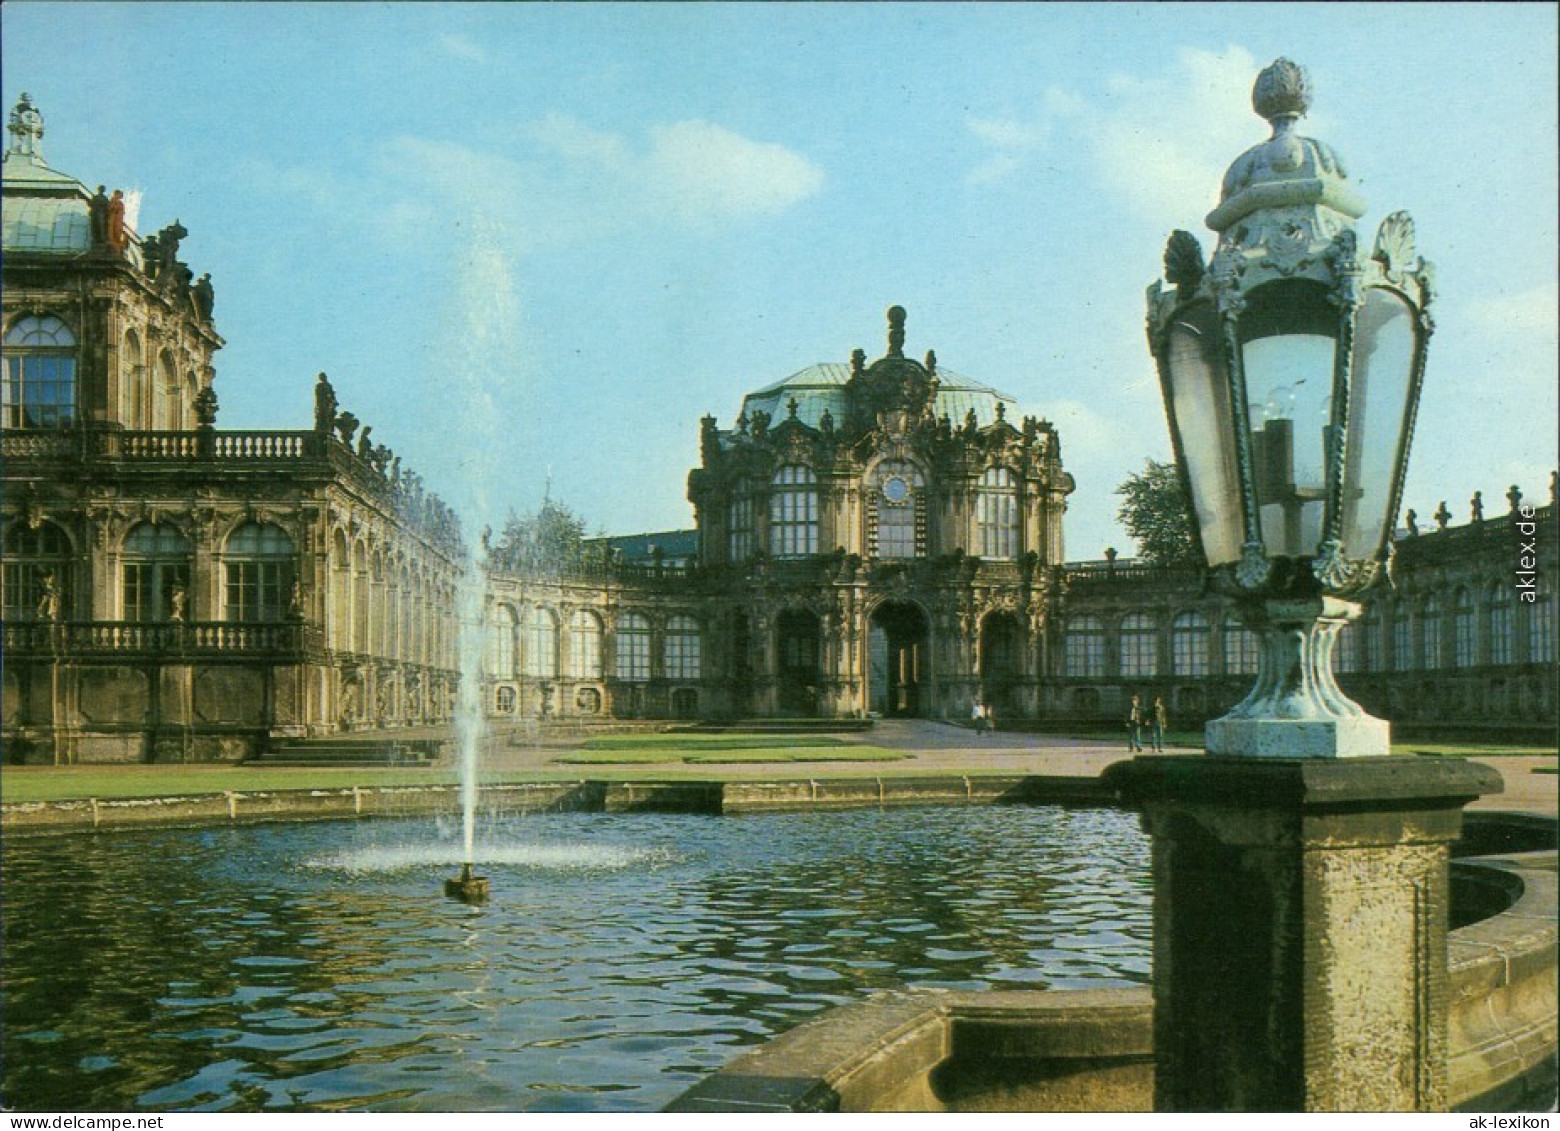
{"x":1287,"y":350}
{"x":1385,"y":341}
{"x":1200,"y":400}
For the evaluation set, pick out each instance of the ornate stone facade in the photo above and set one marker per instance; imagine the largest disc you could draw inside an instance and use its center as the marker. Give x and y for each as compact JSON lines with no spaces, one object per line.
{"x":172,"y":591}
{"x":1463,"y":639}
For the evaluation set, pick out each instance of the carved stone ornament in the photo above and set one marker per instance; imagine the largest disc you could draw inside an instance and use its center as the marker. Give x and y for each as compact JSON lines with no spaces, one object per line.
{"x":1253,"y":569}
{"x":1339,"y":574}
{"x":1344,"y":260}
{"x":1184,"y":266}
{"x":1394,"y":248}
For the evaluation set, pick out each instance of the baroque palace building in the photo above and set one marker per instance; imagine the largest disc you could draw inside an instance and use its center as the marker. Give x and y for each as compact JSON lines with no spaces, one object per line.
{"x":172,"y":591}
{"x":870,"y":540}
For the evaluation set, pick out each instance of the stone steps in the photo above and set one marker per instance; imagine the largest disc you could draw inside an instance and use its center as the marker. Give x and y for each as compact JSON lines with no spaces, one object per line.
{"x":353,"y":752}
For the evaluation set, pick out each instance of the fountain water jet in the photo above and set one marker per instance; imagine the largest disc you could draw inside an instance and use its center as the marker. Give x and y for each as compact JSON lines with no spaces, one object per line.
{"x":469,"y":722}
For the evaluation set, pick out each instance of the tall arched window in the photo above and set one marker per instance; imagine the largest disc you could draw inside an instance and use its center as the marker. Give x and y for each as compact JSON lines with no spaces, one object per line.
{"x":682,"y":648}
{"x":132,"y":377}
{"x":1464,"y":644}
{"x":793,"y":512}
{"x":741,"y":525}
{"x":996,"y":514}
{"x":1541,"y":624}
{"x":1370,"y":639}
{"x":36,"y":563}
{"x":258,"y":569}
{"x":155,"y":569}
{"x":540,"y":655}
{"x":1139,"y":646}
{"x":1346,"y":648}
{"x":1503,"y":624}
{"x":633,"y":648}
{"x":1240,"y":649}
{"x":360,"y":611}
{"x":584,"y":645}
{"x":501,"y":643}
{"x":1189,"y":644}
{"x":165,"y":390}
{"x":1083,"y":647}
{"x":40,"y":373}
{"x":1402,"y":638}
{"x":338,"y":623}
{"x":1430,"y":628}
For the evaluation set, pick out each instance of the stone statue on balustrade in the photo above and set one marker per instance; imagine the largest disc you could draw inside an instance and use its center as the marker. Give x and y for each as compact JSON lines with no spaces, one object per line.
{"x":325,"y":405}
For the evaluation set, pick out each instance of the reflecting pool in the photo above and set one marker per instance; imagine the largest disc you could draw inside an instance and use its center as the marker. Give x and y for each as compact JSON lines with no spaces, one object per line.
{"x":622,"y":958}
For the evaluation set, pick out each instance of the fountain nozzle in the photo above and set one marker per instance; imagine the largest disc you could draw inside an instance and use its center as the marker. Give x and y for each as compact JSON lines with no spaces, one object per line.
{"x":468,"y":887}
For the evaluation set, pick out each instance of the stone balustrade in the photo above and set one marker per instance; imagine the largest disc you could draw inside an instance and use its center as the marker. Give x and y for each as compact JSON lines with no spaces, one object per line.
{"x":81,"y":639}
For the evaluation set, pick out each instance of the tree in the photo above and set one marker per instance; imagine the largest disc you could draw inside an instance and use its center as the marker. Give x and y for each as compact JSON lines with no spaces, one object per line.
{"x":549,"y":542}
{"x":1158,"y":515}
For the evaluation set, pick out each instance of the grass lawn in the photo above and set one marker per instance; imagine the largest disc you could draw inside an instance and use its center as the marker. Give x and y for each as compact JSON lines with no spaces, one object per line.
{"x":687,"y":742}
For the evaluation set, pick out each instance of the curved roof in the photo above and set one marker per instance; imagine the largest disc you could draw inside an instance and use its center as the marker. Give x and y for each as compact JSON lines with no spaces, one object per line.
{"x":822,"y":386}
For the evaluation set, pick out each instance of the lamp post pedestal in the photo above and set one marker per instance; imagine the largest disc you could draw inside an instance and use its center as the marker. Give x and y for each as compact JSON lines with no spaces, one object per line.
{"x":1300,"y":919}
{"x":1296,"y":709}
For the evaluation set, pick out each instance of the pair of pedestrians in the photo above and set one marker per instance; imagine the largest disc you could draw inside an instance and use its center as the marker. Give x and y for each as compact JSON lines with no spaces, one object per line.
{"x":1155,"y":718}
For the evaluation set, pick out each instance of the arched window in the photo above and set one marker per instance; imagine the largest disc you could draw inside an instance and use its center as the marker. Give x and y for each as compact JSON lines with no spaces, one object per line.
{"x":540,"y":655}
{"x":996,"y":514}
{"x":165,"y":392}
{"x":132,"y":370}
{"x":1370,"y":639}
{"x":1430,"y":626}
{"x":741,"y":525}
{"x":155,"y":569}
{"x":258,"y":567}
{"x":1189,"y":644}
{"x":682,"y":648}
{"x":40,"y":373}
{"x":504,"y":701}
{"x":1240,"y":649}
{"x":338,"y":624}
{"x":1402,"y":638}
{"x":584,"y":646}
{"x":898,"y":512}
{"x":1346,"y":648}
{"x":1139,"y":646}
{"x":501,"y":643}
{"x":1503,"y":624}
{"x":793,"y":512}
{"x":1083,"y":647}
{"x":36,"y":567}
{"x":1464,"y":653}
{"x":1541,"y":624}
{"x":633,"y":648}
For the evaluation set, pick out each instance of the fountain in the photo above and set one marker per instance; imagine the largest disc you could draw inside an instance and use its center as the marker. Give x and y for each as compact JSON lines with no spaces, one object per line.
{"x":468,"y":887}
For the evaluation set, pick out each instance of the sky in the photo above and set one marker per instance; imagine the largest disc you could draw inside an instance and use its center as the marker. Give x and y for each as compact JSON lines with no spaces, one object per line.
{"x":533,"y":244}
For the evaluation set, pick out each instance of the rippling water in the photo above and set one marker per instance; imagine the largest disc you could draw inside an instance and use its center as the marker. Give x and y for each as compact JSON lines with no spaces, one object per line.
{"x":622,"y":958}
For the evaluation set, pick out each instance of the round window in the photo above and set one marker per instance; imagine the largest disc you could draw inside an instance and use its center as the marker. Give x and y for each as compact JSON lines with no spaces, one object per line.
{"x":896,"y":490}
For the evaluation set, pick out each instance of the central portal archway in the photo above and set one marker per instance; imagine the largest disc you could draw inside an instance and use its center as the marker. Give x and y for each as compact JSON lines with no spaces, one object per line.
{"x":798,"y":662}
{"x":898,"y":656}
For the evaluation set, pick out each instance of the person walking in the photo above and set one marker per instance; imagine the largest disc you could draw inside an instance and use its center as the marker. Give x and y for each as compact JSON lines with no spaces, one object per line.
{"x":1135,"y":726}
{"x":1157,"y":731}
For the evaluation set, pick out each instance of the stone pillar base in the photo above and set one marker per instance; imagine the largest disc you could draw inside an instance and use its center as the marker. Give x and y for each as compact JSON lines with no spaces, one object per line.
{"x":1361,"y":736}
{"x":1300,"y":926}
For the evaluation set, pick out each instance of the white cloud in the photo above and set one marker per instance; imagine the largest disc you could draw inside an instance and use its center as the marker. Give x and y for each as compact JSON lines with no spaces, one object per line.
{"x":1535,"y":311}
{"x":565,"y":180}
{"x":700,"y":169}
{"x":1007,"y":133}
{"x":462,"y":48}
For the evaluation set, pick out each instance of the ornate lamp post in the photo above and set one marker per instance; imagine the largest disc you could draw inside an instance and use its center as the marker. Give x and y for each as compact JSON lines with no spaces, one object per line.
{"x":1300,"y":880}
{"x":1291,"y":367}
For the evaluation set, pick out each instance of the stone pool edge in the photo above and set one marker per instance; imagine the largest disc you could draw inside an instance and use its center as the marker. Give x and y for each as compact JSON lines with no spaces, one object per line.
{"x":583,"y":795}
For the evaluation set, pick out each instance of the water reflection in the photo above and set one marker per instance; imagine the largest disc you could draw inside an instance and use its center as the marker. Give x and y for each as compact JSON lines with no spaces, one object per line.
{"x":622,"y":957}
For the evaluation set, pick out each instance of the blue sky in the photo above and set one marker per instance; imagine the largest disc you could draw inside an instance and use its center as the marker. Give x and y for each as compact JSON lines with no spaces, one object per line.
{"x":533,"y":238}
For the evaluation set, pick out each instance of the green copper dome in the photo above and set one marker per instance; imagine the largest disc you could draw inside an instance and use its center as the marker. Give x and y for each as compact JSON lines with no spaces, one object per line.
{"x":822,"y":387}
{"x":44,"y":210}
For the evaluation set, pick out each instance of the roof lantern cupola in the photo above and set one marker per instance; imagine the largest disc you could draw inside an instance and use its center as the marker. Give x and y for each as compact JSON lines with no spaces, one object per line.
{"x":26,"y":130}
